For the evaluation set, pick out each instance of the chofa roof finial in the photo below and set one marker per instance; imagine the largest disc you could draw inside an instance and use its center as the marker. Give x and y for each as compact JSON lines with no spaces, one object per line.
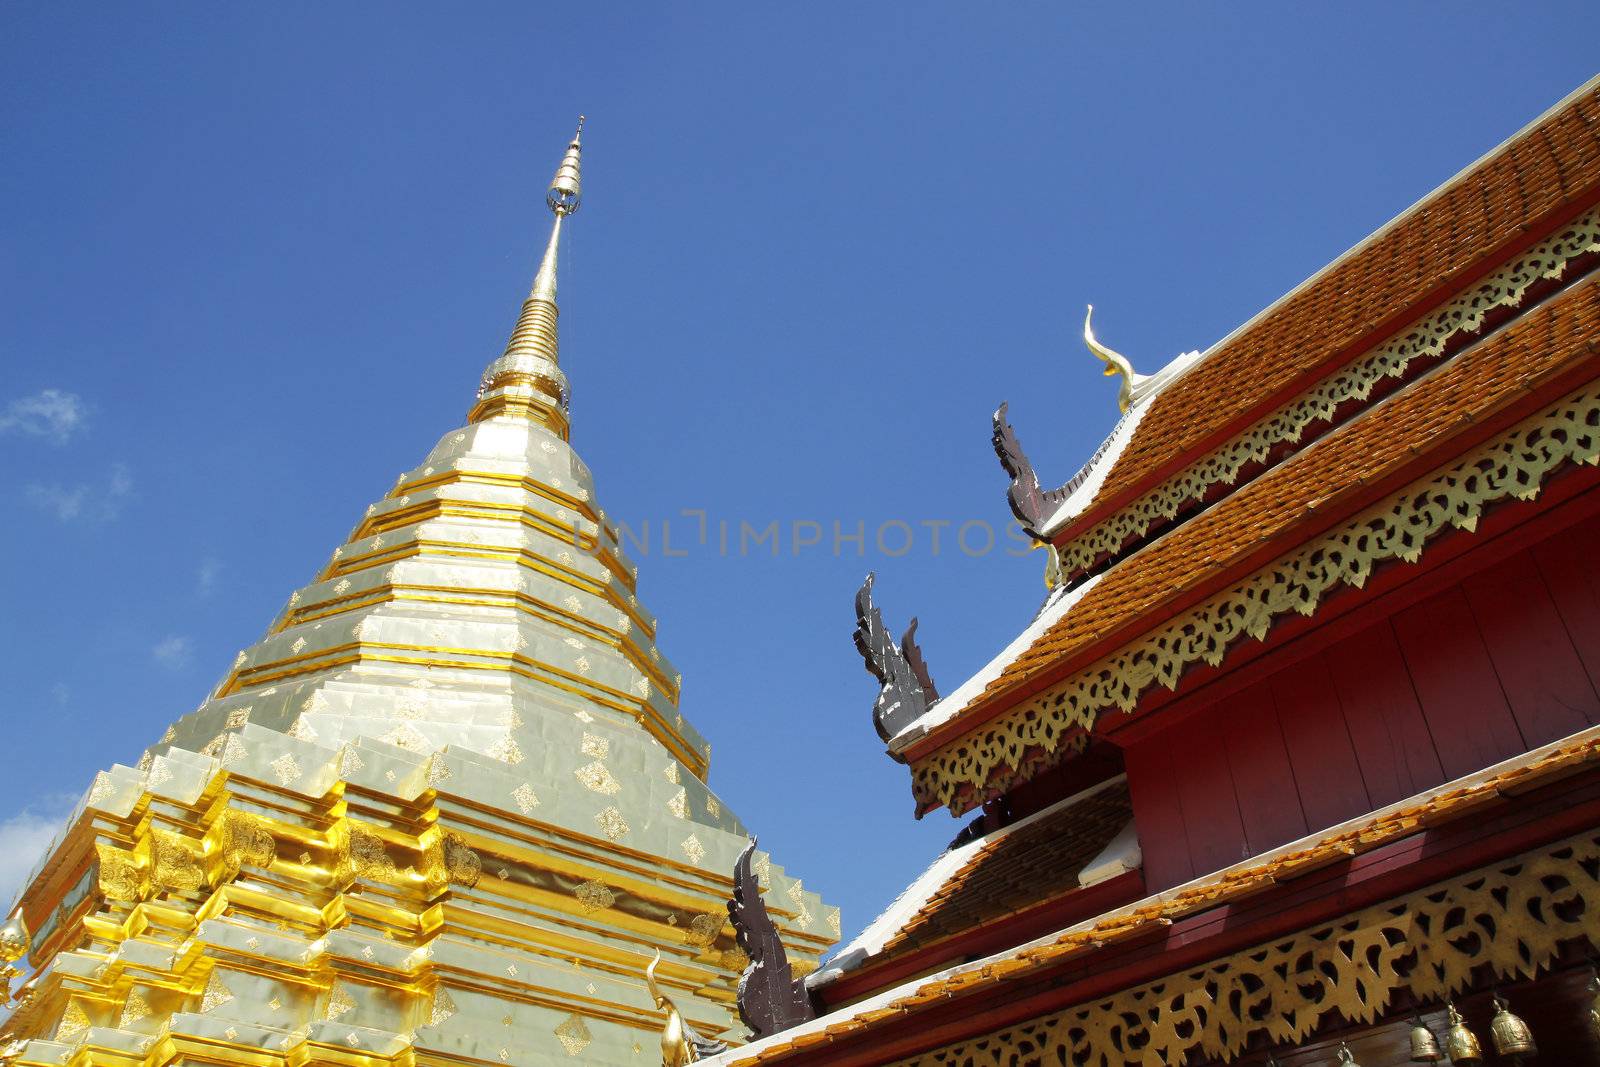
{"x":1116,"y":363}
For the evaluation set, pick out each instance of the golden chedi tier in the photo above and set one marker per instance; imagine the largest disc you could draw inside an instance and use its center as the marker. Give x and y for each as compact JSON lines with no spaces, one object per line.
{"x":446,"y":810}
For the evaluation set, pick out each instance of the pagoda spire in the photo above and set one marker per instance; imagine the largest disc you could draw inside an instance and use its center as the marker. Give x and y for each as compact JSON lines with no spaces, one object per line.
{"x":526,"y":381}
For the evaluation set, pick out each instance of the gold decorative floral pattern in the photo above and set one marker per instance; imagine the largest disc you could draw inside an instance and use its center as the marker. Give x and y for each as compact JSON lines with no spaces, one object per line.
{"x":1428,"y":338}
{"x":1513,"y":465}
{"x":612,"y":824}
{"x":594,"y":896}
{"x":597,"y":778}
{"x":1353,"y":966}
{"x":525,"y":797}
{"x":693,"y":849}
{"x":573,"y":1034}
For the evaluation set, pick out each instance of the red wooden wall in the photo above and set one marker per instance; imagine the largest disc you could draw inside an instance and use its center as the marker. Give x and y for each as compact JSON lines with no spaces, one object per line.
{"x":1506,"y":660}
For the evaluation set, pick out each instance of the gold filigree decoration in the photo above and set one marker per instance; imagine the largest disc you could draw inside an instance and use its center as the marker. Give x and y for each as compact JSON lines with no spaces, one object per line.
{"x":1511,"y":918}
{"x":670,"y":772}
{"x":350,"y":761}
{"x":134,"y":1009}
{"x":693,"y":849}
{"x":612,"y":824}
{"x":339,"y":1003}
{"x":302,"y":731}
{"x":246,"y":841}
{"x":506,"y":751}
{"x":438,"y":772}
{"x":596,"y":746}
{"x":1513,"y":465}
{"x":233,"y":750}
{"x":409,"y":738}
{"x":597,"y":778}
{"x":594,"y":896}
{"x":74,"y":1024}
{"x":704,"y":928}
{"x":286,"y":769}
{"x":679,"y":804}
{"x":237,"y":718}
{"x":832,"y":919}
{"x":574,"y":1035}
{"x":369,"y":858}
{"x":121,"y":874}
{"x":216,"y":993}
{"x":462,"y":861}
{"x":1465,"y":314}
{"x":102,"y":787}
{"x":175,"y":862}
{"x":525,"y":797}
{"x":442,"y":1008}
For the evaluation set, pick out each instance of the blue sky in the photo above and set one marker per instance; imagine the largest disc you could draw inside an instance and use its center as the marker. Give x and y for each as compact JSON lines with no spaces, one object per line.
{"x":255,"y":257}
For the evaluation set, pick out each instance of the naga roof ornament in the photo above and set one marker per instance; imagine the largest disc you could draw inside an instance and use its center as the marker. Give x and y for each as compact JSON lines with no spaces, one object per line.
{"x":681,"y":1044}
{"x":1129,"y":391}
{"x":771,"y":999}
{"x":907,"y":689}
{"x":1030,"y":503}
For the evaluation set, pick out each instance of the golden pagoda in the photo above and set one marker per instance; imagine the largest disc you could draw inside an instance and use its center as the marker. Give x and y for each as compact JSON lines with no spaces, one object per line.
{"x":445,"y":811}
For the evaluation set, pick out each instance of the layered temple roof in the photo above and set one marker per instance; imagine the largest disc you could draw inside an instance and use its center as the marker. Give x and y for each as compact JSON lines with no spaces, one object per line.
{"x":447,"y":806}
{"x":1471,"y":311}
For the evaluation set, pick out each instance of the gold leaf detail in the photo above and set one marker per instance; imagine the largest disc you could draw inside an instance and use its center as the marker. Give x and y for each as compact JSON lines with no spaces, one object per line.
{"x":671,"y":772}
{"x":594,"y":896}
{"x":101,"y":788}
{"x":438,"y":772}
{"x":573,"y":1035}
{"x":339,"y":1002}
{"x":121,"y":874}
{"x":679,"y":804}
{"x":694,"y":849}
{"x":287,"y":770}
{"x":299,"y":646}
{"x":133,"y":1009}
{"x":525,"y":797}
{"x":233,"y":750}
{"x":612,"y":824}
{"x":596,"y":746}
{"x":506,"y":750}
{"x":301,"y":731}
{"x":443,"y":1007}
{"x":703,"y":929}
{"x":216,"y":992}
{"x":462,"y":861}
{"x":237,"y":717}
{"x":74,"y":1023}
{"x":597,"y":778}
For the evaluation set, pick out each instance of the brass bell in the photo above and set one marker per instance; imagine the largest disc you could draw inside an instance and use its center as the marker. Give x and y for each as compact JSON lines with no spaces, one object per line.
{"x":1510,"y":1034}
{"x":1459,"y":1041}
{"x":1424,"y":1046}
{"x":1345,"y":1058}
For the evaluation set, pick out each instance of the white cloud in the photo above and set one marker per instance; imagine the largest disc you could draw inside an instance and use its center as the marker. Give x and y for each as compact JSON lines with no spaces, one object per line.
{"x":23,"y":839}
{"x":85,"y":501}
{"x":174,"y":652}
{"x":205,"y":579}
{"x":53,"y":414}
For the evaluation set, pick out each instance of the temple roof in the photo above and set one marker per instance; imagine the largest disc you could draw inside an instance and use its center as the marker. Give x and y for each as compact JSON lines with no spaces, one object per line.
{"x":1433,"y":248}
{"x":1077,"y":842}
{"x":1393,"y":361}
{"x":1078,"y":943}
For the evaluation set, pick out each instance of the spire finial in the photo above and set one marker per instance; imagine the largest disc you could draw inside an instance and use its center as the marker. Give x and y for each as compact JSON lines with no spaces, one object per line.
{"x":525,"y":379}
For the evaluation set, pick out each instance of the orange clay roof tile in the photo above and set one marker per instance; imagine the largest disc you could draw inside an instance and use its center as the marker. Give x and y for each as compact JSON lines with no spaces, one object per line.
{"x":1479,"y":381}
{"x":1440,"y":245}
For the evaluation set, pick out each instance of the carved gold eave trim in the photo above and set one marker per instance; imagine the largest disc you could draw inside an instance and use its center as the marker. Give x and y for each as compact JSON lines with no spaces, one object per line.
{"x":1455,"y":801}
{"x":1426,"y":339}
{"x":1513,"y":465}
